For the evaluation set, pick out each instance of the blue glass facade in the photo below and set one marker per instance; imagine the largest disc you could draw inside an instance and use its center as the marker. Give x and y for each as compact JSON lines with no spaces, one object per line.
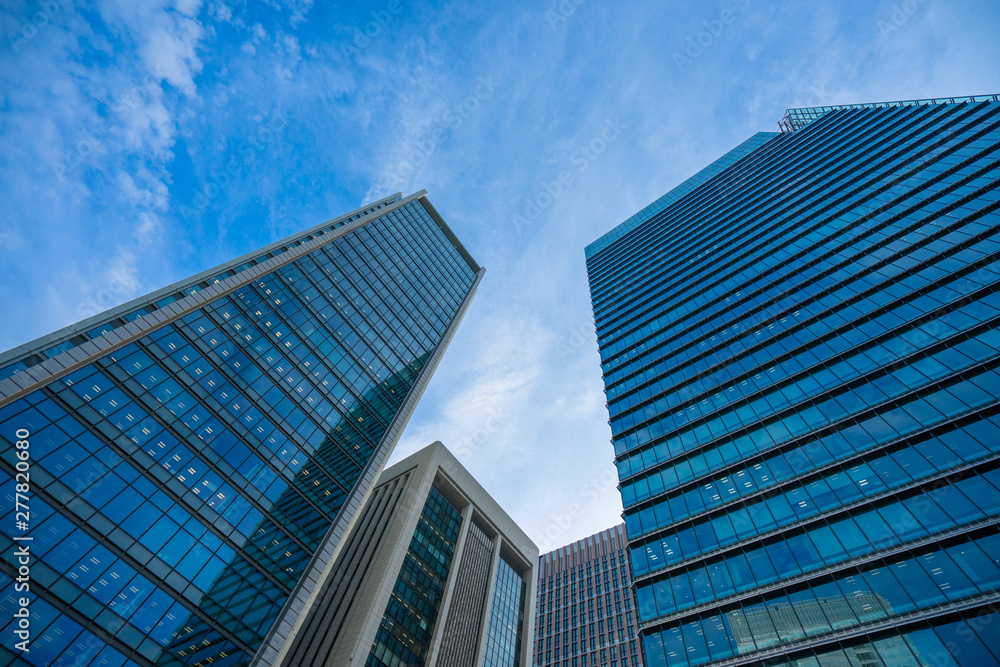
{"x":503,"y":639}
{"x":404,"y":635}
{"x":184,"y":478}
{"x":803,"y":387}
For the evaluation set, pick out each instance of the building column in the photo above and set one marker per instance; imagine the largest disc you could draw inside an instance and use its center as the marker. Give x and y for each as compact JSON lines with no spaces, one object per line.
{"x":490,"y":590}
{"x":449,"y":587}
{"x":528,"y":629}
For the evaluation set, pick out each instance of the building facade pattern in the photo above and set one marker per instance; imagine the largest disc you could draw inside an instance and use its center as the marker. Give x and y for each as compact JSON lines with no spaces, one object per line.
{"x":327,"y":618}
{"x":407,"y":627}
{"x":468,"y":604}
{"x":585,"y":616}
{"x":803,"y":389}
{"x":503,"y":641}
{"x":193,"y":458}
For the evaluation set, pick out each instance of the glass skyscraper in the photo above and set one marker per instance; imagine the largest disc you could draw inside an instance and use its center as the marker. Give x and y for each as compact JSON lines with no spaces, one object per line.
{"x":196,"y":456}
{"x":801,"y":354}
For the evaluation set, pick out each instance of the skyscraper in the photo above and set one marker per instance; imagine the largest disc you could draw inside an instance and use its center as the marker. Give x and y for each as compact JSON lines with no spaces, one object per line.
{"x":196,"y":455}
{"x":801,"y":357}
{"x":585,"y":614}
{"x":435,"y":574}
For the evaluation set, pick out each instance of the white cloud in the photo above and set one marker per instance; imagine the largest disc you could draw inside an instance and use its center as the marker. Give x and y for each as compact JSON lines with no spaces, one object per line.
{"x":221,"y":11}
{"x":298,"y":9}
{"x":86,"y":156}
{"x":166,"y":37}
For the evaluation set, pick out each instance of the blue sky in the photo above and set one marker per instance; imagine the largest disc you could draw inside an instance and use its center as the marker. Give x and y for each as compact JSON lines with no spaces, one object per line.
{"x":143,"y":141}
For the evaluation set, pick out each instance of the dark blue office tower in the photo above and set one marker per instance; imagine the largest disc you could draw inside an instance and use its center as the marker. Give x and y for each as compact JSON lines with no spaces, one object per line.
{"x":196,"y":456}
{"x":801,"y":354}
